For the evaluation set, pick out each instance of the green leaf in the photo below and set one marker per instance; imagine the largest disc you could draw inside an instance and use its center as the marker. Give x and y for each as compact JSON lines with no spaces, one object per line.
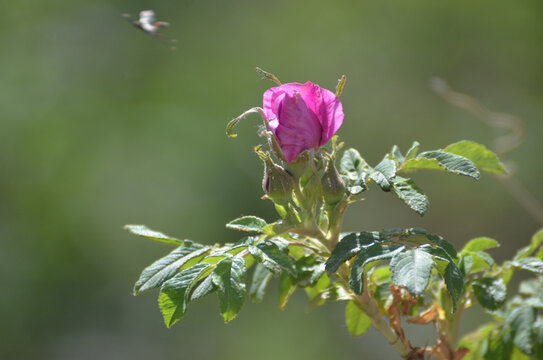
{"x":247,"y":223}
{"x":491,"y":292}
{"x":272,"y":257}
{"x":357,"y":321}
{"x":420,"y":236}
{"x":410,"y":194}
{"x":350,"y":245}
{"x":315,"y":291}
{"x":476,"y":342}
{"x":454,"y":282}
{"x":479,"y":244}
{"x":142,"y":230}
{"x":396,"y":154}
{"x":383,"y":173}
{"x":412,"y":152}
{"x":203,"y":288}
{"x":372,"y":253}
{"x":439,"y":160}
{"x":536,"y":242}
{"x":353,"y":167}
{"x":229,"y":277}
{"x":412,"y":269}
{"x":531,"y":264}
{"x":498,"y":348}
{"x":352,"y":162}
{"x":442,"y":243}
{"x":473,"y":262}
{"x":163,"y":269}
{"x":261,"y":278}
{"x":286,"y":289}
{"x":309,"y":269}
{"x":520,"y":322}
{"x":387,"y":167}
{"x":483,"y":158}
{"x":538,"y":333}
{"x":174,"y":294}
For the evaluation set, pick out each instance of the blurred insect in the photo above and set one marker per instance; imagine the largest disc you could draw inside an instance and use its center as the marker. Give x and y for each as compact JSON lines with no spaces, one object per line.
{"x":147,"y":24}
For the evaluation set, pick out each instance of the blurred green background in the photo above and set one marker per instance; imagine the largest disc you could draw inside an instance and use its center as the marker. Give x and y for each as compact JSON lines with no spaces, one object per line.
{"x":101,"y":125}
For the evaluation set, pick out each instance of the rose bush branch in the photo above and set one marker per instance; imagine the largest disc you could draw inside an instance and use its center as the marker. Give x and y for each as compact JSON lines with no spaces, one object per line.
{"x":385,"y":277}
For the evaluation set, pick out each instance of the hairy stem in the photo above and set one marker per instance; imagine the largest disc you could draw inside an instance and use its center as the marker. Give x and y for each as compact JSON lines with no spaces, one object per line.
{"x":336,"y":222}
{"x":368,"y":305}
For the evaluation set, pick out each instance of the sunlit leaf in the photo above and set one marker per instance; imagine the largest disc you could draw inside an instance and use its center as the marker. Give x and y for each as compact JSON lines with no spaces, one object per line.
{"x":247,"y":223}
{"x":410,"y":194}
{"x":357,"y":321}
{"x":536,"y":242}
{"x":204,"y":288}
{"x":412,"y":269}
{"x":454,"y":282}
{"x":531,"y":264}
{"x":383,"y":173}
{"x":174,"y":293}
{"x":490,"y":292}
{"x":261,"y":278}
{"x":350,"y":245}
{"x":413,"y":151}
{"x":161,"y":270}
{"x":271,"y":256}
{"x":498,"y":348}
{"x":372,"y":253}
{"x":354,"y":168}
{"x":483,"y":158}
{"x":286,"y":289}
{"x":520,"y":322}
{"x":476,"y":342}
{"x":142,"y":230}
{"x":229,"y":276}
{"x":396,"y":154}
{"x":440,"y":160}
{"x":482,"y":243}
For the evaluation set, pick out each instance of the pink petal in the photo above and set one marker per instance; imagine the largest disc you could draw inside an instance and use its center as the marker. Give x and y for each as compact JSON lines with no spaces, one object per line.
{"x":331,"y":116}
{"x":298,"y":129}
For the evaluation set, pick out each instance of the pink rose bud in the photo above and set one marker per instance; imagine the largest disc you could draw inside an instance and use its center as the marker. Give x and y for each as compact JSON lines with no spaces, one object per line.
{"x":302,"y":116}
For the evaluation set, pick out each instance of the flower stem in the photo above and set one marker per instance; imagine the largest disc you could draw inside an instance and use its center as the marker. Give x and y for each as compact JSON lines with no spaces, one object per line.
{"x":369,"y":306}
{"x":336,"y":222}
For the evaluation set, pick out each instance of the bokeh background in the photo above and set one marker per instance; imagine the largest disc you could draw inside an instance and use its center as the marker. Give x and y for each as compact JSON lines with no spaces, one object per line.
{"x":101,"y":125}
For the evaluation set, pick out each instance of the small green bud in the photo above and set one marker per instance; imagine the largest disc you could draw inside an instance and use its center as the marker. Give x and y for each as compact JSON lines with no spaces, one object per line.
{"x":299,"y":166}
{"x":333,"y":186}
{"x":277,"y":183}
